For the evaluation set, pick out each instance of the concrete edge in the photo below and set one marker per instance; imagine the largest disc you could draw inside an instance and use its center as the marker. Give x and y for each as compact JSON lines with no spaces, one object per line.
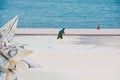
{"x":68,"y":32}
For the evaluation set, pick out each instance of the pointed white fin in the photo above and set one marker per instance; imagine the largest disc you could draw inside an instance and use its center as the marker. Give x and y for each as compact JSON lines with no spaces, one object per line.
{"x":10,"y":27}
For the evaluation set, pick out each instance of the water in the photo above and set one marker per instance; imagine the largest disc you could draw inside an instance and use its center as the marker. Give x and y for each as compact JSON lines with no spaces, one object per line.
{"x":62,"y":13}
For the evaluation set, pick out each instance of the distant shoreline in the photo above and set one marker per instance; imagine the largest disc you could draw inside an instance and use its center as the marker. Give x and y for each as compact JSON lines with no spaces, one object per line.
{"x":75,"y":32}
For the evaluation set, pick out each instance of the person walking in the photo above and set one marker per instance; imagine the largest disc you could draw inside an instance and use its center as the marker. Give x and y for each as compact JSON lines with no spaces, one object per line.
{"x":98,"y":27}
{"x":60,"y":34}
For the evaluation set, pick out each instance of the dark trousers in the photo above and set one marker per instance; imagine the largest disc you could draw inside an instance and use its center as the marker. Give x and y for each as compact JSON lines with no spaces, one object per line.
{"x":60,"y":36}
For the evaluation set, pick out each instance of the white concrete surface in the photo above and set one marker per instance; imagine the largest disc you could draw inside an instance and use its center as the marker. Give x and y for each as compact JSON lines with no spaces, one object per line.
{"x":73,"y":58}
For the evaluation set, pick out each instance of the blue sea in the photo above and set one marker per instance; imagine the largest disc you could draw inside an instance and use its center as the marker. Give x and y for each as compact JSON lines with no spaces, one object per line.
{"x":62,"y":13}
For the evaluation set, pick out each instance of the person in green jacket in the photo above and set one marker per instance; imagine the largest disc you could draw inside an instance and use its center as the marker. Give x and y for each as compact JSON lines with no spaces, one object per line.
{"x":60,"y":34}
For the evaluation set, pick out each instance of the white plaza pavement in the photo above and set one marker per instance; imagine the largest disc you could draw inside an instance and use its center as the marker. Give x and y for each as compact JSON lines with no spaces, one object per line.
{"x":73,"y":58}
